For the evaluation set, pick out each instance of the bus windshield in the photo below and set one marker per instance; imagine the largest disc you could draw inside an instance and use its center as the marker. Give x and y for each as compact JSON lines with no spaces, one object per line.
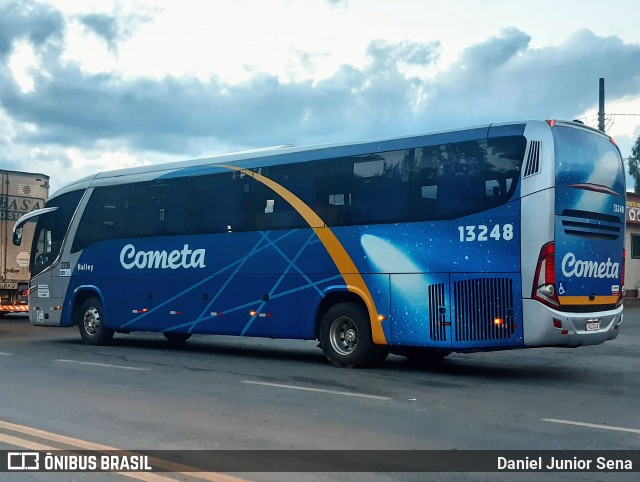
{"x":51,"y":229}
{"x":583,"y":157}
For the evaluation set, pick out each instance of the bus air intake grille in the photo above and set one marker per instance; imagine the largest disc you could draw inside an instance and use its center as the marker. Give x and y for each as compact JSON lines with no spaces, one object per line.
{"x":592,"y":225}
{"x":533,"y":159}
{"x":437,"y":313}
{"x":483,"y":309}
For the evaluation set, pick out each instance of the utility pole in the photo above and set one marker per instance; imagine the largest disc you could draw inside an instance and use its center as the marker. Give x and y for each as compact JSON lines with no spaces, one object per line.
{"x":601,"y":110}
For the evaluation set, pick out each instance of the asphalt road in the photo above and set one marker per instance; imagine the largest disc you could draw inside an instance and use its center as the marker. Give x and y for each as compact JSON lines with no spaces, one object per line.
{"x":215,"y":392}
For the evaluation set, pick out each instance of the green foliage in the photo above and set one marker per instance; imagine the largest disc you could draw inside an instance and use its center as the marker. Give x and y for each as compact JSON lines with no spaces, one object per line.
{"x":634,"y":165}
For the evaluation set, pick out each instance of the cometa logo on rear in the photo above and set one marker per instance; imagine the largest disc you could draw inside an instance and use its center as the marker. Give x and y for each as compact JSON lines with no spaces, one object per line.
{"x":571,"y":266}
{"x":179,"y":258}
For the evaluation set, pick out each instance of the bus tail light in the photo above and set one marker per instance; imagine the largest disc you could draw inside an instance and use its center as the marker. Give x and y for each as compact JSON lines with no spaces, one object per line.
{"x":544,"y":283}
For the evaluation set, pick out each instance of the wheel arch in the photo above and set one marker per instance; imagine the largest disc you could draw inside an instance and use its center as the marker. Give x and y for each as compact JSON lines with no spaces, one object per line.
{"x":82,"y":294}
{"x":332,"y":298}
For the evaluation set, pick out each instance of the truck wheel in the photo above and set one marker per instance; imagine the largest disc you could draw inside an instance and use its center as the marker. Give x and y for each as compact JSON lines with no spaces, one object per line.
{"x":91,"y":323}
{"x":345,"y":337}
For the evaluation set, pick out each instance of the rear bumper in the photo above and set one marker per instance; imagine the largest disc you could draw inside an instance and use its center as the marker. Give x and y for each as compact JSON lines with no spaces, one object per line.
{"x":539,"y":329}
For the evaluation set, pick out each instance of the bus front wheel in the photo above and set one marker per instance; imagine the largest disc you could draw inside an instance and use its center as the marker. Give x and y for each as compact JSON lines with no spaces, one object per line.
{"x":345,"y":337}
{"x":91,"y":323}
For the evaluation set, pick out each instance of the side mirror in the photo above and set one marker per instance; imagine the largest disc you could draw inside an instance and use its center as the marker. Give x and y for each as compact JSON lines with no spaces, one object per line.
{"x":17,"y":236}
{"x":17,"y":228}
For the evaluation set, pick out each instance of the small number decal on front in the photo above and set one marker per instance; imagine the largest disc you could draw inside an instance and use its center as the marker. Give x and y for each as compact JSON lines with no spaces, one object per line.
{"x":482,"y":233}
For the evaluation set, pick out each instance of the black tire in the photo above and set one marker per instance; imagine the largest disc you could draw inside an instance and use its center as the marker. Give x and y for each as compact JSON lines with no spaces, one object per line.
{"x":174,"y":337}
{"x":91,"y":323}
{"x":345,"y":337}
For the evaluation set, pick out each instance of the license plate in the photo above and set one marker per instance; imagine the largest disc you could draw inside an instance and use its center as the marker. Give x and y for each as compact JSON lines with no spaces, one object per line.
{"x":9,"y":286}
{"x":592,"y":326}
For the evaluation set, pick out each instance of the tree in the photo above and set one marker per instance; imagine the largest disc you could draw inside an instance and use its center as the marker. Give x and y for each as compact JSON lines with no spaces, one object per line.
{"x":634,"y":165}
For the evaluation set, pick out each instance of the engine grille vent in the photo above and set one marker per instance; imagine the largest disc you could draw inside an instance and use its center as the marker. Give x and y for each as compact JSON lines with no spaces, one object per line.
{"x":483,"y":309}
{"x":437,"y":312}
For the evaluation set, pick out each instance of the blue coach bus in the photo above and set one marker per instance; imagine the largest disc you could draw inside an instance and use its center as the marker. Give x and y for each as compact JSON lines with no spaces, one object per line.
{"x":496,"y":237}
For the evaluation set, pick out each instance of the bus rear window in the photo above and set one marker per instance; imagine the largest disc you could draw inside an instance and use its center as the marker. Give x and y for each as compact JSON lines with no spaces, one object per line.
{"x":584,"y":157}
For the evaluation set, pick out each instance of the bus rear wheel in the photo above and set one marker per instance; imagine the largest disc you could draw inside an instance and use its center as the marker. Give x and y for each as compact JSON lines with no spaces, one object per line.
{"x":91,"y":323}
{"x":345,"y":337}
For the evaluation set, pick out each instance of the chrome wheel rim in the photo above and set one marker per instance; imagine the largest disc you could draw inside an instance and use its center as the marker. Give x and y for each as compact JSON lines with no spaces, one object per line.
{"x":92,"y":321}
{"x":343,"y":335}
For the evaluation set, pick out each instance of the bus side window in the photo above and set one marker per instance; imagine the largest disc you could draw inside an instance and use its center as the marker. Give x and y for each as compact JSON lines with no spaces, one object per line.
{"x":461,"y":183}
{"x":160,"y":206}
{"x":219,"y":203}
{"x":392,"y":198}
{"x":104,"y":217}
{"x":425,"y":188}
{"x":503,"y":161}
{"x":339,"y":189}
{"x":382,"y":187}
{"x":270,"y":211}
{"x":367,"y":171}
{"x":308,"y":182}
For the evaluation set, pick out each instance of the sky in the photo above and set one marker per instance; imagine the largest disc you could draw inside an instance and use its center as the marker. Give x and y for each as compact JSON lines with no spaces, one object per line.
{"x":94,"y":85}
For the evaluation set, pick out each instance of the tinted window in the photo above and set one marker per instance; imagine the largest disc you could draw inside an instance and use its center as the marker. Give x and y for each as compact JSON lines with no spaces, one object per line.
{"x":339,"y":186}
{"x":465,"y":177}
{"x":103,"y":216}
{"x":369,"y":189}
{"x":270,"y":211}
{"x":51,"y":229}
{"x":381,"y":187}
{"x":154,"y":208}
{"x":219,"y":203}
{"x":586,"y":157}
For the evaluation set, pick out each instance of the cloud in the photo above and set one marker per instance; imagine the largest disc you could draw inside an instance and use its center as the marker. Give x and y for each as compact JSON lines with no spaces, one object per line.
{"x":114,"y":28}
{"x":387,"y":55}
{"x":504,"y":79}
{"x":71,"y":107}
{"x":28,"y":20}
{"x":104,"y":26}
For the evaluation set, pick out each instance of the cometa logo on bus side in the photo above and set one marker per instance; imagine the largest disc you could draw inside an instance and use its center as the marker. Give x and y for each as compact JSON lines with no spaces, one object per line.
{"x":588,"y":269}
{"x":179,"y":258}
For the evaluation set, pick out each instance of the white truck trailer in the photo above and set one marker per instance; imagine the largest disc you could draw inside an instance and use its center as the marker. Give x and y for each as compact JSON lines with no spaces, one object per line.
{"x":20,"y":193}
